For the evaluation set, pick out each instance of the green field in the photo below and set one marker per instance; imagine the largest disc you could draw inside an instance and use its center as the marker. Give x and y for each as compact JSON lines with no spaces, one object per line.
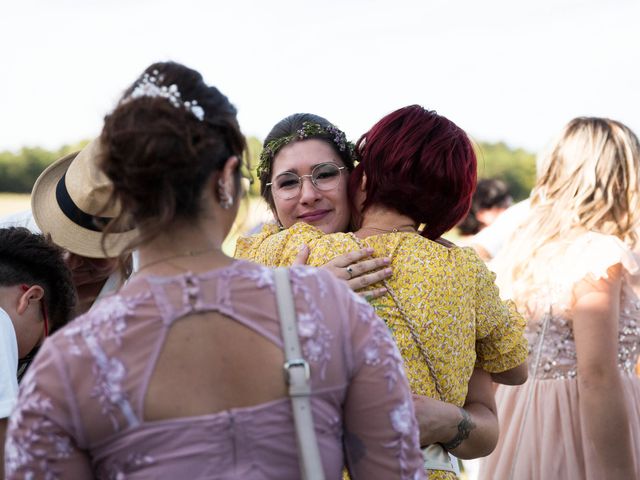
{"x":13,"y":202}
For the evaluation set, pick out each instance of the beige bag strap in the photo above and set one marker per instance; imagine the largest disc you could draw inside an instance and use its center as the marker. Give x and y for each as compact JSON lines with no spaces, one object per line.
{"x":417,"y":340}
{"x":297,"y":374}
{"x":435,"y":456}
{"x":412,"y":329}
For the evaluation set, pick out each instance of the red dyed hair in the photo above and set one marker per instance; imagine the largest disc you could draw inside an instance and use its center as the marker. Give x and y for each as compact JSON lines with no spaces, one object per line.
{"x":420,"y":164}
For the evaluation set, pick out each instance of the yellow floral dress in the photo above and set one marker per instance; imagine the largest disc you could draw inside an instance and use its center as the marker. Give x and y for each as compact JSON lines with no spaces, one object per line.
{"x":448,"y":294}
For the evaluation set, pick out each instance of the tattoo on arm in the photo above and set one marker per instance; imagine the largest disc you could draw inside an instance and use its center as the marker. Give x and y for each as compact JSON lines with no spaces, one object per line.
{"x":464,"y":430}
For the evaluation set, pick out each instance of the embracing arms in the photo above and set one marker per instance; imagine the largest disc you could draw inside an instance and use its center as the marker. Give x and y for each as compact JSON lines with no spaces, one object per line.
{"x":467,"y":432}
{"x":357,"y":268}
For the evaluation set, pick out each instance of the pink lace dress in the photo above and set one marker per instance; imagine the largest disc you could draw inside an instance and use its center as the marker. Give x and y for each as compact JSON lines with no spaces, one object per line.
{"x":543,"y":416}
{"x":80,"y":410}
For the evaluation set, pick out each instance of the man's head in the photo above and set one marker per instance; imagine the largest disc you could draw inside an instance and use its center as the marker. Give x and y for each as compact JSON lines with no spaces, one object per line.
{"x":36,"y":289}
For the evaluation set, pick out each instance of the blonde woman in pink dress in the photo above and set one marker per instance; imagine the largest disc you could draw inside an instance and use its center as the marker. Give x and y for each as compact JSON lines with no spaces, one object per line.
{"x":571,"y":269}
{"x":180,"y":374}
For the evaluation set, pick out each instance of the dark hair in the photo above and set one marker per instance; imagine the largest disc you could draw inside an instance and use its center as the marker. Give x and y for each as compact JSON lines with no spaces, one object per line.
{"x":32,"y":259}
{"x":420,"y":164}
{"x":158,"y":153}
{"x":289,"y":126}
{"x":490,"y":193}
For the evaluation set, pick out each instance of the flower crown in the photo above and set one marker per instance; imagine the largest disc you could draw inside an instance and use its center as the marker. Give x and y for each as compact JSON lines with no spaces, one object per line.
{"x":151,"y":86}
{"x":308,"y":130}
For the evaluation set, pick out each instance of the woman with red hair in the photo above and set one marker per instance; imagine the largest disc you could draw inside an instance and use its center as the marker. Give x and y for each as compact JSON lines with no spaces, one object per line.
{"x":415,"y":181}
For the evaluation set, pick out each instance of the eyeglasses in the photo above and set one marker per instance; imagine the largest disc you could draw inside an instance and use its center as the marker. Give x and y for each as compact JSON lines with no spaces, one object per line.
{"x":324,"y":177}
{"x":43,"y":307}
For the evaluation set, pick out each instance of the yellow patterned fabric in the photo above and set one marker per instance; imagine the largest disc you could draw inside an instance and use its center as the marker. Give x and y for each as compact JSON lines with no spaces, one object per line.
{"x":447,"y":293}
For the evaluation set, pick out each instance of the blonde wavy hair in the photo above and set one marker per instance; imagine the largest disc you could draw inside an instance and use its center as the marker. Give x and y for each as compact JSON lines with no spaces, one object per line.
{"x":587,"y":181}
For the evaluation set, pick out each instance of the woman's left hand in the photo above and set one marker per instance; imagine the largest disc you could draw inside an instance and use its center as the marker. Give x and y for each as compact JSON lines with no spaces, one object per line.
{"x":357,"y":268}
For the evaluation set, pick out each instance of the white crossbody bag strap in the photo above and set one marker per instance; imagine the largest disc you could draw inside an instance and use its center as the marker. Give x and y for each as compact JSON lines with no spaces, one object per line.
{"x":297,"y":374}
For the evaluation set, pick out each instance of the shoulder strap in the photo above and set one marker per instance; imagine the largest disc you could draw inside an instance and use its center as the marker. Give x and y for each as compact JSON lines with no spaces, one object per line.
{"x":417,"y":340}
{"x":297,"y":375}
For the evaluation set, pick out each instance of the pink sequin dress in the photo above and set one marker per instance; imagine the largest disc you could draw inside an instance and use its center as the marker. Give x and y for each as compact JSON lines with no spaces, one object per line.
{"x":544,"y":414}
{"x":80,"y":409}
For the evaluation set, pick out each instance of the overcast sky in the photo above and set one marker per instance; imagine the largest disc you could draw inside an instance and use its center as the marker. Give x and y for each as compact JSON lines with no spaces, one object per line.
{"x":503,"y":70}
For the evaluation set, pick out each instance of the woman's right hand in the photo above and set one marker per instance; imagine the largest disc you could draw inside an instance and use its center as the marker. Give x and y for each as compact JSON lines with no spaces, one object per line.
{"x":357,"y":268}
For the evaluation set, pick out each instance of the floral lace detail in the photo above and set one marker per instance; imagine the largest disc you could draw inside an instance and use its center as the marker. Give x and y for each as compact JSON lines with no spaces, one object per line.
{"x":381,"y":347}
{"x":314,"y":335}
{"x":302,"y":272}
{"x":105,"y":321}
{"x":24,"y":450}
{"x":119,"y":470}
{"x":108,"y":387}
{"x":262,"y":278}
{"x":403,"y":421}
{"x":402,"y":418}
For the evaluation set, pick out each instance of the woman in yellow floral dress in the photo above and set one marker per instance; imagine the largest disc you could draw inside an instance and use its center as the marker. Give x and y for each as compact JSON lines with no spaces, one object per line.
{"x":442,"y":305}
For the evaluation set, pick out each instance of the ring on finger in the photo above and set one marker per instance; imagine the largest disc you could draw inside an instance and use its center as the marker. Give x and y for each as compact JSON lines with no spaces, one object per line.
{"x":350,"y":271}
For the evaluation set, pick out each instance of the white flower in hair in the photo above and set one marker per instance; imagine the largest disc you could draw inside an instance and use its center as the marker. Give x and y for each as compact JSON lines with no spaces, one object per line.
{"x":151,"y":86}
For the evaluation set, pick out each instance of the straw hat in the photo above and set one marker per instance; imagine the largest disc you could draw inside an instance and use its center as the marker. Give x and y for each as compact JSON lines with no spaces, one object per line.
{"x":66,"y":199}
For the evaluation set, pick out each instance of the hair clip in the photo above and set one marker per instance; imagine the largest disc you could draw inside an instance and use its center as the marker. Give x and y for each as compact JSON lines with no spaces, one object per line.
{"x":151,"y":86}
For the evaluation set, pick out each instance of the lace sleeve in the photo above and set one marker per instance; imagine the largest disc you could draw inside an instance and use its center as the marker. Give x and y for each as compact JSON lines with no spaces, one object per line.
{"x":500,"y":341}
{"x":41,"y":442}
{"x":381,"y":432}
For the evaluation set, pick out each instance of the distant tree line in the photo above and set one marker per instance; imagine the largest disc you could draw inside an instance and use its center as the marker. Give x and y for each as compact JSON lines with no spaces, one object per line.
{"x":516,"y":167}
{"x":19,"y":170}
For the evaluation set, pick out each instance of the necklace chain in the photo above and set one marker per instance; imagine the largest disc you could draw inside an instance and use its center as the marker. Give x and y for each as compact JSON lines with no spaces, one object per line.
{"x":409,"y":227}
{"x":188,"y":253}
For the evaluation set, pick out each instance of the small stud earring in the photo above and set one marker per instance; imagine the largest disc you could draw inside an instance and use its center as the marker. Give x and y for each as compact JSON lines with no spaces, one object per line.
{"x":226,"y":200}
